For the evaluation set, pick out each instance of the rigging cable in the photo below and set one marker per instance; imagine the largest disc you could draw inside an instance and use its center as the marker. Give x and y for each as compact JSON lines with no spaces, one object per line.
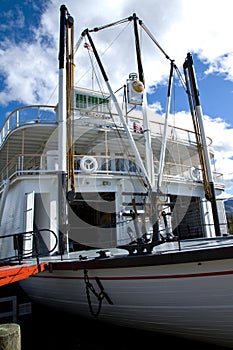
{"x":103,"y":53}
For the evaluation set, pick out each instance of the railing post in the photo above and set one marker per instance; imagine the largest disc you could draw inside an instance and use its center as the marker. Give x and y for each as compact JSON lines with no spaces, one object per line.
{"x":17,"y":118}
{"x":36,"y":232}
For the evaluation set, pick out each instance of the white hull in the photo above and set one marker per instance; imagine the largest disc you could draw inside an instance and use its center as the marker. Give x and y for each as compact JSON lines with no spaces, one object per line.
{"x":190,"y":300}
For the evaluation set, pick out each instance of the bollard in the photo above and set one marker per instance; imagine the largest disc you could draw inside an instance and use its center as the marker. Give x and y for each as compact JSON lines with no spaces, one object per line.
{"x":10,"y":338}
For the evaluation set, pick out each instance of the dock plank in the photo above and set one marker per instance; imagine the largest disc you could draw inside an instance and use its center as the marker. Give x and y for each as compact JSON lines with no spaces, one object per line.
{"x":13,"y":273}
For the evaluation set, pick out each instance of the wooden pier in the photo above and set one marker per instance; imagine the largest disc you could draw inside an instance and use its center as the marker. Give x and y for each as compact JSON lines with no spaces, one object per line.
{"x":13,"y":273}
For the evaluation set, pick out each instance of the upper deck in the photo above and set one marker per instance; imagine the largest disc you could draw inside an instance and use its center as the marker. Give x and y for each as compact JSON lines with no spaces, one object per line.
{"x":29,"y":144}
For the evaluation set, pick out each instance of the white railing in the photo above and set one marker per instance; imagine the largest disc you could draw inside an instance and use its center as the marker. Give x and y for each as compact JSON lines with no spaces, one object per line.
{"x":28,"y":164}
{"x":38,"y":164}
{"x":27,"y":115}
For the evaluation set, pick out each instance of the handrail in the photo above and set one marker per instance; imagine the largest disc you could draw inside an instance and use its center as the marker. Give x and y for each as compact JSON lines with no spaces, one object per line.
{"x":36,"y":164}
{"x":15,"y":120}
{"x":18,"y":242}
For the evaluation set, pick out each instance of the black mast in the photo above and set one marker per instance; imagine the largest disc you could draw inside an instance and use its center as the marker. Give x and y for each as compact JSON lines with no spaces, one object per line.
{"x":66,"y":21}
{"x":196,"y":110}
{"x":138,"y":50}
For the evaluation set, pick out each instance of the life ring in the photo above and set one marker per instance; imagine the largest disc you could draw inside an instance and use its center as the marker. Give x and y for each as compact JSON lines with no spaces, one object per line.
{"x":88,"y":164}
{"x":195,"y":174}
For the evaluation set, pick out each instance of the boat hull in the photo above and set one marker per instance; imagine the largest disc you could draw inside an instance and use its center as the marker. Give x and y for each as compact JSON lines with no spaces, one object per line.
{"x":190,"y":300}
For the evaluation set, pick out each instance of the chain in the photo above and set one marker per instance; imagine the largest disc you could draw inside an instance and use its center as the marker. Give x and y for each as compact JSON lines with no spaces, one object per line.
{"x":99,"y":296}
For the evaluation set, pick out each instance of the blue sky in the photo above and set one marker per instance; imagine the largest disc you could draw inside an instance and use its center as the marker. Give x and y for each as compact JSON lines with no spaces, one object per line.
{"x":29,"y":32}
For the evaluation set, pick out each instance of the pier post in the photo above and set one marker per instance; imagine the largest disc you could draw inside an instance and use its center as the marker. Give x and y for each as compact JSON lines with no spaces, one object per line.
{"x":10,"y":338}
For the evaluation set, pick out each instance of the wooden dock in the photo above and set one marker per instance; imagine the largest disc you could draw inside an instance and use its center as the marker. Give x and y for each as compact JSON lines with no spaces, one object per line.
{"x":13,"y":273}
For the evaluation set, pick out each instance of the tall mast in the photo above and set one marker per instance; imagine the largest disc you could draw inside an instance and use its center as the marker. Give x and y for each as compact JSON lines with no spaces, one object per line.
{"x":70,"y":105}
{"x":196,"y":110}
{"x":66,"y":21}
{"x":147,"y":134}
{"x":62,"y":92}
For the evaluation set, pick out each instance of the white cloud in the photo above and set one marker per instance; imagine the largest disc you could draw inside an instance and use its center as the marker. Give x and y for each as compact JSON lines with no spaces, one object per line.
{"x":156,"y":107}
{"x":180,"y":26}
{"x":219,"y":137}
{"x":222,"y":136}
{"x":31,"y":75}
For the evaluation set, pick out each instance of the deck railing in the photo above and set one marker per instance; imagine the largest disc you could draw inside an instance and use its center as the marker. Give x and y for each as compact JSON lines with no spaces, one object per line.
{"x":20,"y":251}
{"x":47,"y":114}
{"x":27,"y":164}
{"x":27,"y":115}
{"x":42,"y":164}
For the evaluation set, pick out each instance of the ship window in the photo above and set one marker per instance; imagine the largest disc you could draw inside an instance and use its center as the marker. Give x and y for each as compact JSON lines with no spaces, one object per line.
{"x":96,"y":103}
{"x":81,"y":101}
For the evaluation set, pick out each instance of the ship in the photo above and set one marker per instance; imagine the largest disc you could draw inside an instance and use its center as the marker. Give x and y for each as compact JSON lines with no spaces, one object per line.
{"x":122,"y":211}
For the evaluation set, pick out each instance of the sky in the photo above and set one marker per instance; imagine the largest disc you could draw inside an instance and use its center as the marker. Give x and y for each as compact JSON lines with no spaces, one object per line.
{"x":29,"y":33}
